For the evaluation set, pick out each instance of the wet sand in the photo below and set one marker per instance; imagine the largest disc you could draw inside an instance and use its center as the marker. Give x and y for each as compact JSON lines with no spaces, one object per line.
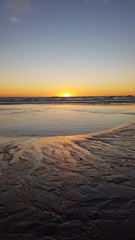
{"x":77,"y":187}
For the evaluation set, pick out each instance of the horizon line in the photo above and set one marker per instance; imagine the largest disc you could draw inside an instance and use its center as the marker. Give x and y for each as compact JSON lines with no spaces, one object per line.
{"x":127,"y":95}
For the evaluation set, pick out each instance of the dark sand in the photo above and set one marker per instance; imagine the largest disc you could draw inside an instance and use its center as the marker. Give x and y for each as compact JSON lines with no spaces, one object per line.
{"x":80,"y":187}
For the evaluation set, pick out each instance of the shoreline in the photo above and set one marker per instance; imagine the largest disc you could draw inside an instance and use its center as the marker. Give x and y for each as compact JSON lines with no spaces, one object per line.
{"x":74,"y":136}
{"x":68,"y":187}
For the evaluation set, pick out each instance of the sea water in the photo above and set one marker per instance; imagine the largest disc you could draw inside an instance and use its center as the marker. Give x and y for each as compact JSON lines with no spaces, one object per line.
{"x":17,"y":120}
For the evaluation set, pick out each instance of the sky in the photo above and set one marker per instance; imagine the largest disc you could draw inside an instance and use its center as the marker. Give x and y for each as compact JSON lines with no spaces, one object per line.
{"x":80,"y":47}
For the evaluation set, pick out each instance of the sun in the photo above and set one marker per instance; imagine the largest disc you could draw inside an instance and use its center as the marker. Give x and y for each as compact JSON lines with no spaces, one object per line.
{"x":66,"y":95}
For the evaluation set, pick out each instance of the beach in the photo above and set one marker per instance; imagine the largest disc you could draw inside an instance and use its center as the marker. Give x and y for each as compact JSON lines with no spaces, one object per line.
{"x":67,"y":120}
{"x":68,"y":187}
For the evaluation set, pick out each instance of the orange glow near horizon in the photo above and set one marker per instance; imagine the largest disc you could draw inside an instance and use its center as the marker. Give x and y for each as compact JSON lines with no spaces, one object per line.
{"x":54,"y":94}
{"x":70,"y":92}
{"x":66,"y":86}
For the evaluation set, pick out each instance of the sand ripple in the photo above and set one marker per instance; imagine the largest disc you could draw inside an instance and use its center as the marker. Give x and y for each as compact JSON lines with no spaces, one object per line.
{"x":80,"y":187}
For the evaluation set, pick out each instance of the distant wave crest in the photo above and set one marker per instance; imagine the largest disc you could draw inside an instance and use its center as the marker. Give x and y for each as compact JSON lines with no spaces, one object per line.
{"x":68,"y":100}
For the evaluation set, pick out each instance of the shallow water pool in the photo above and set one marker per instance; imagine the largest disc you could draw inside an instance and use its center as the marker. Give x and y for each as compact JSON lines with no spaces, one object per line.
{"x":55,"y":120}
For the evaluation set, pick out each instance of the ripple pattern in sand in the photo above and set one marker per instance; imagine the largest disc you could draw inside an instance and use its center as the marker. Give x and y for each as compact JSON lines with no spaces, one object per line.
{"x":69,"y":188}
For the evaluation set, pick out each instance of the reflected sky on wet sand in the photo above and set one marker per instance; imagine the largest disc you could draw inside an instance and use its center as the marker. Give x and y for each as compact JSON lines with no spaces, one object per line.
{"x":55,"y":120}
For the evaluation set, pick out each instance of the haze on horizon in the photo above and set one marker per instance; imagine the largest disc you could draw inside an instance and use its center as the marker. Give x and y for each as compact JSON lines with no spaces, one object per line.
{"x":77,"y":47}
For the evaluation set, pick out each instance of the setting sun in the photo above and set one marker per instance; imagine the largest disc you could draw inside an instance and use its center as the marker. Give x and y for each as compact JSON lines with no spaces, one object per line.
{"x":66,"y":95}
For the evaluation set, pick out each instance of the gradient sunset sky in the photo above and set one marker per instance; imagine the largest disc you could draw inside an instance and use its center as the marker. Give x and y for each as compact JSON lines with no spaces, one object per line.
{"x":81,"y":47}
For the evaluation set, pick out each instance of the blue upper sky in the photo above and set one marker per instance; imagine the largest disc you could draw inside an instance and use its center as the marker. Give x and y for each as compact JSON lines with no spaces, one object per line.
{"x":82,"y":46}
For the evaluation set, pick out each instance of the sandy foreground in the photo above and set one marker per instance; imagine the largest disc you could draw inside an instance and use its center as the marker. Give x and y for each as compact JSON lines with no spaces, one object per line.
{"x":80,"y":187}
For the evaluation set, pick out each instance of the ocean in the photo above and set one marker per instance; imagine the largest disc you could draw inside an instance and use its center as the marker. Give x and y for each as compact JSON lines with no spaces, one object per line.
{"x":72,"y":100}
